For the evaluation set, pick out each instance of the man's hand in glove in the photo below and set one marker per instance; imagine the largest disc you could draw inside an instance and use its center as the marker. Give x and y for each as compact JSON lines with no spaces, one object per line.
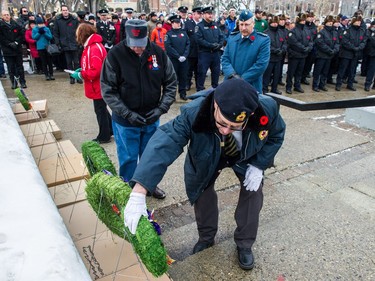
{"x":182,"y":59}
{"x":253,"y":178}
{"x":135,"y":119}
{"x":135,"y":208}
{"x":153,"y":115}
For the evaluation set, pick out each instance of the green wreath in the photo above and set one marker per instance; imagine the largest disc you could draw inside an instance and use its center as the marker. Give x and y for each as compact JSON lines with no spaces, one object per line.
{"x":108,"y":196}
{"x":23,"y":99}
{"x":96,"y":158}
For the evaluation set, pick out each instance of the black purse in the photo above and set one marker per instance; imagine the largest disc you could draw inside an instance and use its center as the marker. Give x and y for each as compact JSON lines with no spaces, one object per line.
{"x":53,"y":49}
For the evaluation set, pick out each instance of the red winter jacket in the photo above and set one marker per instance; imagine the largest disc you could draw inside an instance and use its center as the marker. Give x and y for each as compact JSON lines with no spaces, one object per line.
{"x":32,"y":43}
{"x":92,"y":60}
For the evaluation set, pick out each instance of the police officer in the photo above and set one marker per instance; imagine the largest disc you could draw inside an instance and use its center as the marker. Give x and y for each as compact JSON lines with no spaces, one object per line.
{"x":309,"y":60}
{"x":299,"y":46}
{"x":129,"y":16}
{"x":352,"y":44}
{"x":106,"y":29}
{"x":370,"y":48}
{"x":193,"y":54}
{"x":182,"y":11}
{"x":210,"y":40}
{"x":284,"y":31}
{"x":177,"y":46}
{"x":278,"y":50}
{"x":327,"y":45}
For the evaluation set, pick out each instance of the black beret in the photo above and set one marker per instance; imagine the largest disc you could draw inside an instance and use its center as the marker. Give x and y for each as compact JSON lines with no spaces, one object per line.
{"x":237,"y":99}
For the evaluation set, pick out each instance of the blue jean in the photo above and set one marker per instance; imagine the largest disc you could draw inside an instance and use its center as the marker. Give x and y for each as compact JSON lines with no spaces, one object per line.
{"x":130,"y":143}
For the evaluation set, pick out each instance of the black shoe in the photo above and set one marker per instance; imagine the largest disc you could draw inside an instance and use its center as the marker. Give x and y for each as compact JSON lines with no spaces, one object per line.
{"x":355,"y":81}
{"x":245,"y":258}
{"x":183,"y":97}
{"x":281,"y":83}
{"x":23,"y":85}
{"x":351,"y":88}
{"x":158,"y":193}
{"x":330,"y":82}
{"x":3,"y":76}
{"x":367,"y":89}
{"x":48,"y":78}
{"x":338,"y":88}
{"x":72,"y":80}
{"x":277,"y":92}
{"x":200,"y":246}
{"x":305,"y":82}
{"x":316,"y":89}
{"x":299,"y":90}
{"x":288,"y":91}
{"x":324,"y":88}
{"x":79,"y":81}
{"x":101,"y":141}
{"x":51,"y":77}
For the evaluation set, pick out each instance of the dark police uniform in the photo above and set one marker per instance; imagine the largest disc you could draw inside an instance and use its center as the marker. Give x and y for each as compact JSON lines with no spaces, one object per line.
{"x":309,"y":60}
{"x":108,"y":32}
{"x":193,"y":54}
{"x":370,"y":50}
{"x":210,"y":40}
{"x":177,"y":45}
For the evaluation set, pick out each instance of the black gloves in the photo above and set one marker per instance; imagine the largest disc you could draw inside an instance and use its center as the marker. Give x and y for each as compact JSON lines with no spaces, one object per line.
{"x":41,"y":30}
{"x":13,"y":45}
{"x":216,"y":46}
{"x":135,"y":119}
{"x":234,"y":75}
{"x":279,"y":52}
{"x":153,"y":115}
{"x":331,"y":52}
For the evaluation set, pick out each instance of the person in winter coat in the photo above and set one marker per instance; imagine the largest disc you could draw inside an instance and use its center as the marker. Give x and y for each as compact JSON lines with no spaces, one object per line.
{"x":158,"y":35}
{"x":11,"y":37}
{"x":92,"y":59}
{"x":43,"y":37}
{"x":139,"y":84}
{"x":32,"y":46}
{"x":327,"y":45}
{"x":370,"y":48}
{"x":177,"y":46}
{"x":227,"y":127}
{"x":117,"y":25}
{"x":64,"y":32}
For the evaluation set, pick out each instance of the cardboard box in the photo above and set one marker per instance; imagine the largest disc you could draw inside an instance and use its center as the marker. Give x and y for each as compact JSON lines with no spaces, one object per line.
{"x":63,"y":169}
{"x":27,"y":117}
{"x":40,"y":106}
{"x":39,"y":140}
{"x":66,"y":194}
{"x":41,"y":128}
{"x":63,"y":148}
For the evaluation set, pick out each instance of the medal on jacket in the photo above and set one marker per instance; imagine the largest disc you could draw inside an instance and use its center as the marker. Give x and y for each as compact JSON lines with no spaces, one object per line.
{"x":155,"y":65}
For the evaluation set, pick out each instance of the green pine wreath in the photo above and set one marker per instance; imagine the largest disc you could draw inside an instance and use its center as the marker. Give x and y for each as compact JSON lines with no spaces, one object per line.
{"x":23,"y":99}
{"x":108,"y":196}
{"x":96,"y":158}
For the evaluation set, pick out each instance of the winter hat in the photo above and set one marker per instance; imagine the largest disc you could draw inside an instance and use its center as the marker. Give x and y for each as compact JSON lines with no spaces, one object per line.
{"x":354,"y":19}
{"x":237,"y":99}
{"x":274,"y":19}
{"x":301,"y":17}
{"x":329,"y":19}
{"x":39,"y":20}
{"x":136,"y":33}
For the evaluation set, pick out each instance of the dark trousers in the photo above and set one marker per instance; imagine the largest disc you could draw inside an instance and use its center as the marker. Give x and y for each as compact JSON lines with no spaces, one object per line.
{"x":320,"y":73}
{"x":333,"y":68}
{"x":347,"y":66}
{"x":281,"y":69}
{"x":104,"y":120}
{"x":193,"y":71}
{"x":295,"y":68}
{"x":246,"y":215}
{"x":272,"y":71}
{"x":370,"y":71}
{"x":207,"y":61}
{"x":15,"y":68}
{"x":2,"y":69}
{"x":181,"y":71}
{"x":71,"y":58}
{"x":309,"y":61}
{"x":46,"y":62}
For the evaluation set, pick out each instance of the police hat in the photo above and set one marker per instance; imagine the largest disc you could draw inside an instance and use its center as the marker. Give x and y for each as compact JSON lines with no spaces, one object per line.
{"x":245,"y":15}
{"x":103,"y":12}
{"x":136,"y":33}
{"x":208,"y":9}
{"x":183,"y":9}
{"x":197,"y":10}
{"x":237,"y":99}
{"x":175,"y":18}
{"x":129,"y":10}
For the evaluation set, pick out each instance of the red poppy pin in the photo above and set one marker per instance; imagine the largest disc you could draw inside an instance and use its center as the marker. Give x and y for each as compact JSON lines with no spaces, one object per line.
{"x":15,"y":30}
{"x":308,"y":37}
{"x":70,"y":24}
{"x":263,"y":120}
{"x":334,"y":39}
{"x":281,"y":39}
{"x":252,"y":37}
{"x":213,"y":27}
{"x":361,"y":38}
{"x":340,"y":37}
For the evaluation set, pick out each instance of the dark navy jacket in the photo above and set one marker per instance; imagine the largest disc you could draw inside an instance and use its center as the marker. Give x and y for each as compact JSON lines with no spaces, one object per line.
{"x":299,"y":42}
{"x":327,"y":43}
{"x":177,"y":43}
{"x":278,"y":43}
{"x":208,"y":34}
{"x":353,"y":42}
{"x":190,"y":29}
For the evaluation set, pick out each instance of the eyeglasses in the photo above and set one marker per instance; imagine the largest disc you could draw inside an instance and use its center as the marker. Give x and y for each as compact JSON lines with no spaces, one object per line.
{"x":237,"y":128}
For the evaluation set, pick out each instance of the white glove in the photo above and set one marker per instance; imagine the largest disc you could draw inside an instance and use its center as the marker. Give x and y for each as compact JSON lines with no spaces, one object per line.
{"x":135,"y":208}
{"x":182,"y":59}
{"x":253,"y":178}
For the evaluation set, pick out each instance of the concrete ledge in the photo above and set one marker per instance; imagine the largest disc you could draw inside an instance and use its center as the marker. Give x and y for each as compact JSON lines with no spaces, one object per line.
{"x":363,"y":117}
{"x":34,"y":242}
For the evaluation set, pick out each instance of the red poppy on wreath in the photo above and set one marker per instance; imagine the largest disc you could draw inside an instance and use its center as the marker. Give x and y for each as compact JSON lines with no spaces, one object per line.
{"x":252,"y":37}
{"x":15,"y":30}
{"x":334,"y":38}
{"x":308,"y":37}
{"x":361,"y":38}
{"x":263,"y":120}
{"x":281,"y":39}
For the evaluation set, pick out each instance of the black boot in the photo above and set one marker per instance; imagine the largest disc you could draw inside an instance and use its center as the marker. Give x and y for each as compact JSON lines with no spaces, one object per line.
{"x":72,"y":80}
{"x":48,"y":78}
{"x":51,"y":77}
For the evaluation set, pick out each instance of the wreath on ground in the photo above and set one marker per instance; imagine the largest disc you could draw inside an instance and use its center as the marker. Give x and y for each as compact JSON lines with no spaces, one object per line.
{"x":24,"y":100}
{"x":96,"y":158}
{"x":108,"y":196}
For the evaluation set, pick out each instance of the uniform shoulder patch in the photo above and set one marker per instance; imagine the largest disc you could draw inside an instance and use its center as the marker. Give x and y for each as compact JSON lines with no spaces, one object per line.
{"x":166,"y":38}
{"x":345,"y":32}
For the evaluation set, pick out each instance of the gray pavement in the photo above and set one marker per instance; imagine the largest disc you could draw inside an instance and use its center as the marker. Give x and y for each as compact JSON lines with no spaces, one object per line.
{"x":318,"y":218}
